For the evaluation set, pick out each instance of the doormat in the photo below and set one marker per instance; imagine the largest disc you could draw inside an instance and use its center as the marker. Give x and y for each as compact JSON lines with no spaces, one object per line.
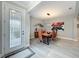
{"x":26,"y":53}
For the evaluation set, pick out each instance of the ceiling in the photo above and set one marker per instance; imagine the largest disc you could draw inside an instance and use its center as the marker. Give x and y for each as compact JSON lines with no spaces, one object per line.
{"x":28,"y":5}
{"x":54,"y":8}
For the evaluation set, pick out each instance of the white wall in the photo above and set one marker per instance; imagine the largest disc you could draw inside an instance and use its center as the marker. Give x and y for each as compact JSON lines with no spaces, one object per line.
{"x":77,"y":20}
{"x":27,"y":29}
{"x":77,"y":8}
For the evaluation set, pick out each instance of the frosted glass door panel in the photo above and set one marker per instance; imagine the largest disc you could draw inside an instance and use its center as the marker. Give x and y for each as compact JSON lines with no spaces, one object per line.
{"x":15,"y":28}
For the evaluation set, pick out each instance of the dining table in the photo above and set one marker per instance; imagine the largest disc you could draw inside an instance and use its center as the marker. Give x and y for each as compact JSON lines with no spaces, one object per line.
{"x":46,"y":37}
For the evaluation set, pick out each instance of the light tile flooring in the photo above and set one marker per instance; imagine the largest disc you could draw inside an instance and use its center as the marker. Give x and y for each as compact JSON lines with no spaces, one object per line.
{"x":56,"y":49}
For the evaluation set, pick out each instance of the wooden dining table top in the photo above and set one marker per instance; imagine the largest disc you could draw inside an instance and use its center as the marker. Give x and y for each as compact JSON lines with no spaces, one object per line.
{"x":46,"y":34}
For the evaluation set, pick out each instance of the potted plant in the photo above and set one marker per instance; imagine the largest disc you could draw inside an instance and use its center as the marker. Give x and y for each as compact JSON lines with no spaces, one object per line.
{"x":40,"y":25}
{"x":55,"y":27}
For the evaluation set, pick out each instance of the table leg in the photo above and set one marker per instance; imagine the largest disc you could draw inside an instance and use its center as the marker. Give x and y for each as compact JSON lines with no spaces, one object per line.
{"x":47,"y":40}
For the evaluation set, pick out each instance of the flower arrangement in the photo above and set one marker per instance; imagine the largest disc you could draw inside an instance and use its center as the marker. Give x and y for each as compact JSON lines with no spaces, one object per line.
{"x":57,"y":26}
{"x":40,"y":25}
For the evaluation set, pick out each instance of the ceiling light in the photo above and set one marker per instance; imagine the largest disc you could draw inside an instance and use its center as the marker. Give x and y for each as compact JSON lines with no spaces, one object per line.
{"x":48,"y":14}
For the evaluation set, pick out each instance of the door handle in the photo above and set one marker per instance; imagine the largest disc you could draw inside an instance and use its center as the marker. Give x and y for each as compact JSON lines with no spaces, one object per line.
{"x":22,"y":32}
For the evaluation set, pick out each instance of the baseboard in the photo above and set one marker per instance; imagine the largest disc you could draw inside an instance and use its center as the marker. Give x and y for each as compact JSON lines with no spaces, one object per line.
{"x":68,"y":38}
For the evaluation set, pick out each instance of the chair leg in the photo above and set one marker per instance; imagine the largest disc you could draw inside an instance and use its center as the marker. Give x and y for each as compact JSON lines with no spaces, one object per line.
{"x":40,"y":40}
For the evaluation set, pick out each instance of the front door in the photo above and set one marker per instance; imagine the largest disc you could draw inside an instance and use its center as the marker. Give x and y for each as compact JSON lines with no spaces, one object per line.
{"x":14,"y":28}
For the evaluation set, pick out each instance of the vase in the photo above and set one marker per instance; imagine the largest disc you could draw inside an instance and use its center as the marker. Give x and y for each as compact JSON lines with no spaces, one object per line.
{"x":54,"y":34}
